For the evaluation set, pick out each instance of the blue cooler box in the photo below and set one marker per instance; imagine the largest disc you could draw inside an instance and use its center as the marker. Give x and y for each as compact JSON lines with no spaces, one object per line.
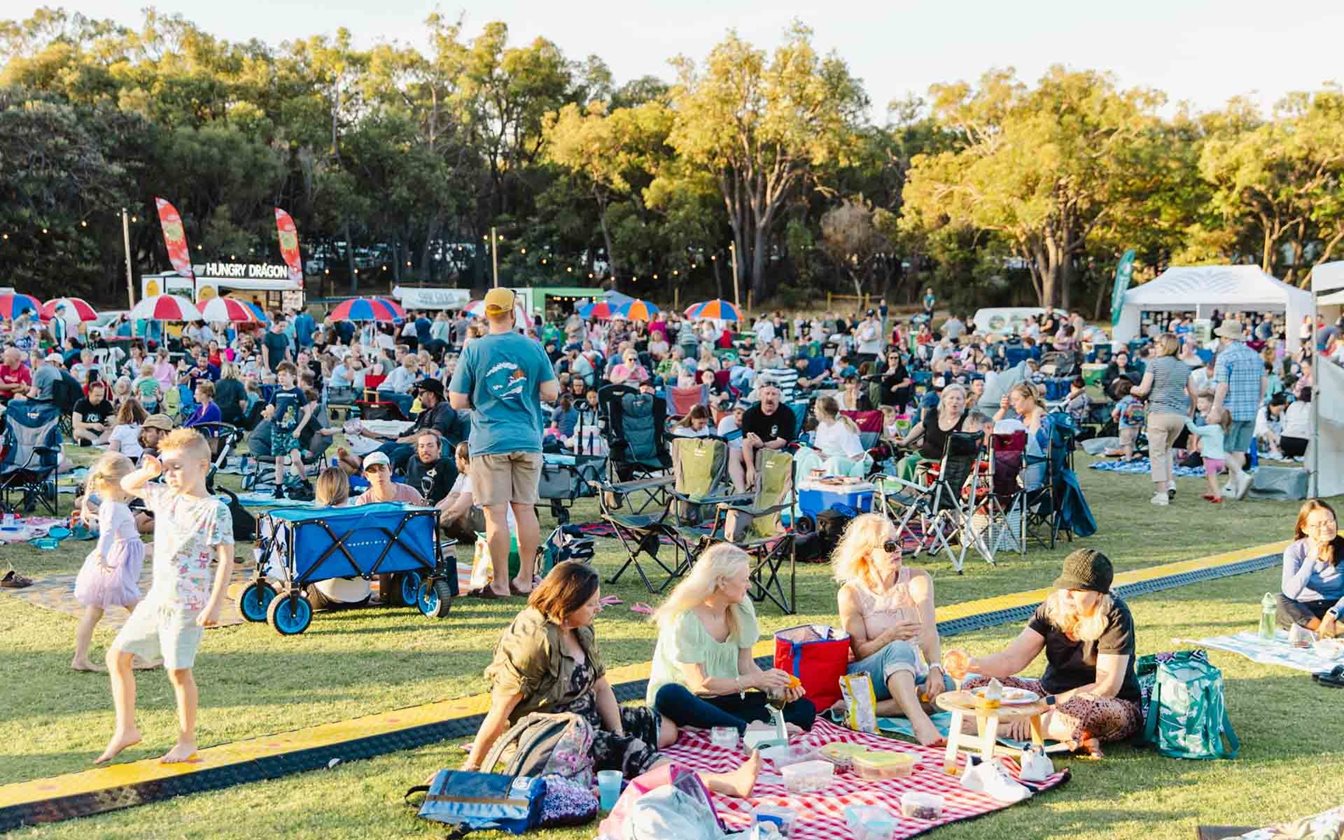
{"x":814,"y":497}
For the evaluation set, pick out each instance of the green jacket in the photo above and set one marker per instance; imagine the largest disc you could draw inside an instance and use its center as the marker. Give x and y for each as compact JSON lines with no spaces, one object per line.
{"x":528,"y":661}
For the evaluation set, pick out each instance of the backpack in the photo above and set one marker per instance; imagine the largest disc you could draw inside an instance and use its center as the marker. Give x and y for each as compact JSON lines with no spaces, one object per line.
{"x":1186,"y":715}
{"x":542,"y":744}
{"x":831,"y":525}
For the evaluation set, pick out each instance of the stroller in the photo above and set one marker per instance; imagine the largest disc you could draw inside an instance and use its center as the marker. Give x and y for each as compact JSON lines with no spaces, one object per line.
{"x":30,"y":452}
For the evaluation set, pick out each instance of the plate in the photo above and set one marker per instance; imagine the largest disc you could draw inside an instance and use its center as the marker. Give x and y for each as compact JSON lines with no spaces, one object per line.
{"x":1011,"y":696}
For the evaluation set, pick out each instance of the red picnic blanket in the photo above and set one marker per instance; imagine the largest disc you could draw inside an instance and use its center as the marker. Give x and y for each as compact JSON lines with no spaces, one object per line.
{"x":821,"y":815}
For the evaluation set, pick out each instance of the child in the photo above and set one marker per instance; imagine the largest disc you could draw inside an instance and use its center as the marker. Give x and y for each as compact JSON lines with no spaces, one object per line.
{"x":1211,"y":445}
{"x":110,"y":576}
{"x":146,"y":388}
{"x":730,"y":429}
{"x":285,"y":411}
{"x":1077,"y":403}
{"x":1129,"y":416}
{"x":191,"y":529}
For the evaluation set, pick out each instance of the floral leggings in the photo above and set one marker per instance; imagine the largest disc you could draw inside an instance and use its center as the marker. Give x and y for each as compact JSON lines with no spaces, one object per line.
{"x":1108,"y":719}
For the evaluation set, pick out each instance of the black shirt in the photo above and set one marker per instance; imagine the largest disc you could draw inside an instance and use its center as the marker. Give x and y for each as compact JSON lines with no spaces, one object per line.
{"x":228,"y":393}
{"x":935,"y":439}
{"x":444,"y":419}
{"x":769,"y":427}
{"x":90,"y":413}
{"x":1070,"y":664}
{"x":432,"y":480}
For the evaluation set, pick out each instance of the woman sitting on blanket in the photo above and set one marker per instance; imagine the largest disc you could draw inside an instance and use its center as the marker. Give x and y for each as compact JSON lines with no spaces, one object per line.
{"x":547,"y":661}
{"x":1313,"y":587}
{"x":886,"y":608}
{"x":1088,"y":638}
{"x":703,"y":673}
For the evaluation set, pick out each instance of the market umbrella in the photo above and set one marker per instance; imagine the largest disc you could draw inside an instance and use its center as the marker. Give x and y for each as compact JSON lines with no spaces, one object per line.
{"x":600,"y":310}
{"x":637,"y":310}
{"x":228,"y":309}
{"x":714,"y":310}
{"x":394,"y":306}
{"x":366,"y":309}
{"x":12,"y":306}
{"x":165,"y":308}
{"x":79,"y":308}
{"x":259,"y":312}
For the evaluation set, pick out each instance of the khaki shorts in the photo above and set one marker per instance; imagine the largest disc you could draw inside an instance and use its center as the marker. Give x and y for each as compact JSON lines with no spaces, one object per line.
{"x":154,"y":630}
{"x":505,"y":477}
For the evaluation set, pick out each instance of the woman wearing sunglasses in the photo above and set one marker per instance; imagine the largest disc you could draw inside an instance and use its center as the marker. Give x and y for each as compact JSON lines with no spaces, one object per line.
{"x":886,"y":608}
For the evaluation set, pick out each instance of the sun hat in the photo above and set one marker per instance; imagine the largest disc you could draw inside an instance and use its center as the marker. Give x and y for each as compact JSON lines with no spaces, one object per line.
{"x":1229,"y":329}
{"x":162,"y":422}
{"x":1087,"y":569}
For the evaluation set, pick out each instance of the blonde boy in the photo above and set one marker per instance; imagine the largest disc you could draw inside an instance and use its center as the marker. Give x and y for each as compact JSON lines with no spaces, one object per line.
{"x":192,"y":529}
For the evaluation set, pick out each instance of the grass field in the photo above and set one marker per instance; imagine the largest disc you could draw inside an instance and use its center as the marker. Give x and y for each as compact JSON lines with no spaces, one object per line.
{"x":254,"y":682}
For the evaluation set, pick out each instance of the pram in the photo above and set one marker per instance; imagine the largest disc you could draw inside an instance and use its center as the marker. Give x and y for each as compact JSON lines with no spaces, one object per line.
{"x":299,"y":547}
{"x":30,"y":452}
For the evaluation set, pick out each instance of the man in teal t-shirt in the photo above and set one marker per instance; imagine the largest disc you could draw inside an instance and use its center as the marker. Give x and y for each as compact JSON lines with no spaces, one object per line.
{"x":503,"y":378}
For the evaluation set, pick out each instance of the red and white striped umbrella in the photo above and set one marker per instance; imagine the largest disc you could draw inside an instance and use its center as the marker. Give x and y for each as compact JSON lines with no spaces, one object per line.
{"x":220,"y":309}
{"x":165,"y":308}
{"x":76,"y":309}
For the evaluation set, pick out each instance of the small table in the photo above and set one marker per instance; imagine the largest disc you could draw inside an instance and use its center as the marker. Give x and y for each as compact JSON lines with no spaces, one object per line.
{"x":959,"y":703}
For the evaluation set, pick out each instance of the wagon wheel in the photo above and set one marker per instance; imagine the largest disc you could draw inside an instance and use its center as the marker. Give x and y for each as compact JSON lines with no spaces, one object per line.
{"x":290,"y":614}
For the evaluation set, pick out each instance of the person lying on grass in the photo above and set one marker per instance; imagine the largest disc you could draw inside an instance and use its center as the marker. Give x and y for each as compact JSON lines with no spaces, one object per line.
{"x":1088,"y":638}
{"x":547,"y":661}
{"x":192,"y":529}
{"x":1312,"y":593}
{"x":886,"y":608}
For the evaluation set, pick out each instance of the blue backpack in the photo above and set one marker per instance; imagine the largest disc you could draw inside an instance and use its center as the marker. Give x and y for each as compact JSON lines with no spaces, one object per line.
{"x":482,"y":801}
{"x":1185,"y":713}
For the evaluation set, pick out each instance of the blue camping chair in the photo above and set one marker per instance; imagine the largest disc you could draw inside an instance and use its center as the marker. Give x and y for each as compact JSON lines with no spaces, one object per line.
{"x":31,"y":447}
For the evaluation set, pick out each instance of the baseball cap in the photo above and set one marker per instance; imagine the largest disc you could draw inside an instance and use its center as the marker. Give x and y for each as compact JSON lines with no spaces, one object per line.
{"x":54,"y":358}
{"x":375,"y":458}
{"x":162,"y":422}
{"x":499,"y":301}
{"x":433,"y":386}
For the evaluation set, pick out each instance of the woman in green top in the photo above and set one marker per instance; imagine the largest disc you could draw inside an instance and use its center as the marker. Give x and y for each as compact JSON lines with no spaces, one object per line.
{"x":703,"y":672}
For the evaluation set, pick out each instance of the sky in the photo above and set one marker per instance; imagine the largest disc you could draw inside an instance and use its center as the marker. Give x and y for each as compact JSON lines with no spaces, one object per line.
{"x":1200,"y":51}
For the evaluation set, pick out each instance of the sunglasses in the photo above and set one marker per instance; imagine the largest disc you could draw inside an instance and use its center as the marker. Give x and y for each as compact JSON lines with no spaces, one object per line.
{"x":891,"y":546}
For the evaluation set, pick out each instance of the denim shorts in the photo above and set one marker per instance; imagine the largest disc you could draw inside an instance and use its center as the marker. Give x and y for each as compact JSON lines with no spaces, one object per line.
{"x":896,"y":656}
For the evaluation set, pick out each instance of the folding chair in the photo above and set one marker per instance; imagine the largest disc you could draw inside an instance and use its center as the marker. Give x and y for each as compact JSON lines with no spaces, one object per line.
{"x":222,"y":438}
{"x":634,"y":425}
{"x":758,"y":528}
{"x":1045,"y":521}
{"x":30,"y":451}
{"x":682,"y":400}
{"x":999,"y":521}
{"x":938,"y":507}
{"x":372,"y":407}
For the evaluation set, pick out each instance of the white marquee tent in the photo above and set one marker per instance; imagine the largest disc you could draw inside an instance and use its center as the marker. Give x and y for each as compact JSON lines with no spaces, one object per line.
{"x":1326,"y":452}
{"x":1204,"y":288}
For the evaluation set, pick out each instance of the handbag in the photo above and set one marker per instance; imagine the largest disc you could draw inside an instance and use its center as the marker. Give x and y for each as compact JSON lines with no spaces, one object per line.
{"x":481,"y":801}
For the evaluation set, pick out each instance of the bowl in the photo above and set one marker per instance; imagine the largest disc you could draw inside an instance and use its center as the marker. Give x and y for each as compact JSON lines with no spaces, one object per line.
{"x":869,"y":822}
{"x":783,"y":818}
{"x":785,"y":755}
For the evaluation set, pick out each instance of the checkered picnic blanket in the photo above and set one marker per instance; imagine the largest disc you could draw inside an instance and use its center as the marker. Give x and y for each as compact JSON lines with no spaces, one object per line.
{"x":821,"y":815}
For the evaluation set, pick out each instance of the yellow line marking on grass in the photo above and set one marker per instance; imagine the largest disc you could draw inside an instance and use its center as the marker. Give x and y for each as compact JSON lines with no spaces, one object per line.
{"x":328,"y":734}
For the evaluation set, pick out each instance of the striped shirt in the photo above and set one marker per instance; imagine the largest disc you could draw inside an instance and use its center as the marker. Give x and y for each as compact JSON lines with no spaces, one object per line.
{"x":785,"y":378}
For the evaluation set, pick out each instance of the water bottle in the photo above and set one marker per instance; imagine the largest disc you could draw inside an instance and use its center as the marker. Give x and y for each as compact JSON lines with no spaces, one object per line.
{"x":1268,"y":607}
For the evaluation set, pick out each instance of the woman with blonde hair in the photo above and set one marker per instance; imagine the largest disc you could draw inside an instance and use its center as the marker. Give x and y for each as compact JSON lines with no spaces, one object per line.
{"x":1170,"y":391}
{"x":836,"y":435}
{"x":1088,"y":638}
{"x":886,"y":608}
{"x":704,"y":674}
{"x":1024,"y":400}
{"x":933,"y":429}
{"x":332,"y":489}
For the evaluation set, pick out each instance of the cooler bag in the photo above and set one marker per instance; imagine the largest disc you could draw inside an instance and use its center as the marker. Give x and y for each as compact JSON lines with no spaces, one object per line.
{"x":818,"y":656}
{"x":1186,"y":715}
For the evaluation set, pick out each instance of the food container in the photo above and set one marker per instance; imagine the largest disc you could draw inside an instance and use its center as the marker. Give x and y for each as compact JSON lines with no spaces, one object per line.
{"x":808,"y":776}
{"x":869,"y":822}
{"x":760,"y":739}
{"x":783,"y":756}
{"x":921,"y":806}
{"x":724,"y":736}
{"x":781,"y":817}
{"x":875,"y":766}
{"x":841,"y":754}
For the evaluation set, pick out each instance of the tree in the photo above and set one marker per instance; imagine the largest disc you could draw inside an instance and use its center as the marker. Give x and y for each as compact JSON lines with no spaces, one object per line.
{"x":854,"y":236}
{"x":762,"y":127}
{"x":1041,"y":168}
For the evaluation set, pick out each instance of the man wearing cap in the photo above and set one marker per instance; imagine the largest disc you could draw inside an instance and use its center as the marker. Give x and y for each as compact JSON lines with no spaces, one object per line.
{"x":436,"y":415}
{"x":1087,"y":634}
{"x":1240,"y":383}
{"x":503,"y":378}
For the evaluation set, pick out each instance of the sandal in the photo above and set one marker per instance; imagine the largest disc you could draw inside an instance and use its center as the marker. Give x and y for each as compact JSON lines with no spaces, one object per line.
{"x":14,"y":580}
{"x":485,"y":593}
{"x":1334,"y":678}
{"x":514,"y":590}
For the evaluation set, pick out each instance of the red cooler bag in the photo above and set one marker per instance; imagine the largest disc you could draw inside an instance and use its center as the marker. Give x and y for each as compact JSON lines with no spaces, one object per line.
{"x":818,"y":656}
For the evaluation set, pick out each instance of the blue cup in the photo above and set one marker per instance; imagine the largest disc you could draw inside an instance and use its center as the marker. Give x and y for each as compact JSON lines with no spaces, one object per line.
{"x":608,"y":788}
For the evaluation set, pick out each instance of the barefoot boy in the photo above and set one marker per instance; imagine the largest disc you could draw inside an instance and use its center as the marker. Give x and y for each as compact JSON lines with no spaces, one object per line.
{"x":191,"y":530}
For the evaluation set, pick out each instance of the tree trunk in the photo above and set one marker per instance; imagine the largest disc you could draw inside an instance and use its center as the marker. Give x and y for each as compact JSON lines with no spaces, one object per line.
{"x":350,"y":260}
{"x":758,"y":286}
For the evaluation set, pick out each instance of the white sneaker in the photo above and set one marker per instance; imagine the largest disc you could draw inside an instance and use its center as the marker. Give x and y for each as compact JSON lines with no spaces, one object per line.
{"x":1036,"y":765}
{"x":990,"y":779}
{"x":1229,"y":488}
{"x":1243,"y":483}
{"x":1160,"y":499}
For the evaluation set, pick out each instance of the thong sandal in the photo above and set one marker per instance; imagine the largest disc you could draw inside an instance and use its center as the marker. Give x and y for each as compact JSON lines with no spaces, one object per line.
{"x":1334,"y":678}
{"x":485,"y":593}
{"x":14,"y":580}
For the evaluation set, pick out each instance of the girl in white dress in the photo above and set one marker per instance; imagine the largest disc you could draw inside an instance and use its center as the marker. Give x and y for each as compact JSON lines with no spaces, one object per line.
{"x":110,"y":576}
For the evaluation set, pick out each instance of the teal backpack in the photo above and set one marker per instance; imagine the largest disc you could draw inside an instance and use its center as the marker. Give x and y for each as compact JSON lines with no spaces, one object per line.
{"x":1185,"y":715}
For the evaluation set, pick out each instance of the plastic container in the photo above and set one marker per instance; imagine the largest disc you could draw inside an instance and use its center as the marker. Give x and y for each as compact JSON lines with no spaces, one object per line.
{"x":921,"y":806}
{"x":808,"y":776}
{"x":759,"y":739}
{"x":785,"y":755}
{"x":781,"y":817}
{"x":724,"y":736}
{"x":841,"y":754}
{"x":869,"y":822}
{"x":816,"y":496}
{"x":875,"y":766}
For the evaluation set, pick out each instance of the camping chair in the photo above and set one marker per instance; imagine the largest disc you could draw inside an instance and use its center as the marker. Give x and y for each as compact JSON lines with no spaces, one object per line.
{"x":1045,"y":519}
{"x":566,"y":477}
{"x":639,"y":460}
{"x":222,"y":438}
{"x":999,"y":520}
{"x":373,"y":407}
{"x":340,"y":398}
{"x":30,"y":451}
{"x":758,"y":528}
{"x":682,"y":400}
{"x":699,"y":470}
{"x":938,"y":507}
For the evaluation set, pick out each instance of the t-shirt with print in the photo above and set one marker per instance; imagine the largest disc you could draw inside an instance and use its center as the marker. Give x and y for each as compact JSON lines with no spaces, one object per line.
{"x":89,"y":413}
{"x":289,"y":403}
{"x":502,"y":374}
{"x":1070,"y":663}
{"x":769,"y":427}
{"x":186,"y":533}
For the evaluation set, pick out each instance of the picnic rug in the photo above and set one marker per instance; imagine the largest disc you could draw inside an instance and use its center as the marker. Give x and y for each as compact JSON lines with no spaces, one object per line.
{"x":821,"y":814}
{"x":1142,"y":465}
{"x":943,"y":721}
{"x":1276,"y":652}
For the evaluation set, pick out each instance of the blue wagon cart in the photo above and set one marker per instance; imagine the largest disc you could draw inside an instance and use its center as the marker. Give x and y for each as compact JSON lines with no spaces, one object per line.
{"x":301,"y":546}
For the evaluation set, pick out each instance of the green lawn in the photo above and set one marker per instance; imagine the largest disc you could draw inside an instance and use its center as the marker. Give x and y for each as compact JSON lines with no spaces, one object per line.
{"x":254,"y":682}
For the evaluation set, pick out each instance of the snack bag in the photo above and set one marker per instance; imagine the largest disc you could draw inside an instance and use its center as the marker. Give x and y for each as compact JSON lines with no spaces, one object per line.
{"x":860,"y":702}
